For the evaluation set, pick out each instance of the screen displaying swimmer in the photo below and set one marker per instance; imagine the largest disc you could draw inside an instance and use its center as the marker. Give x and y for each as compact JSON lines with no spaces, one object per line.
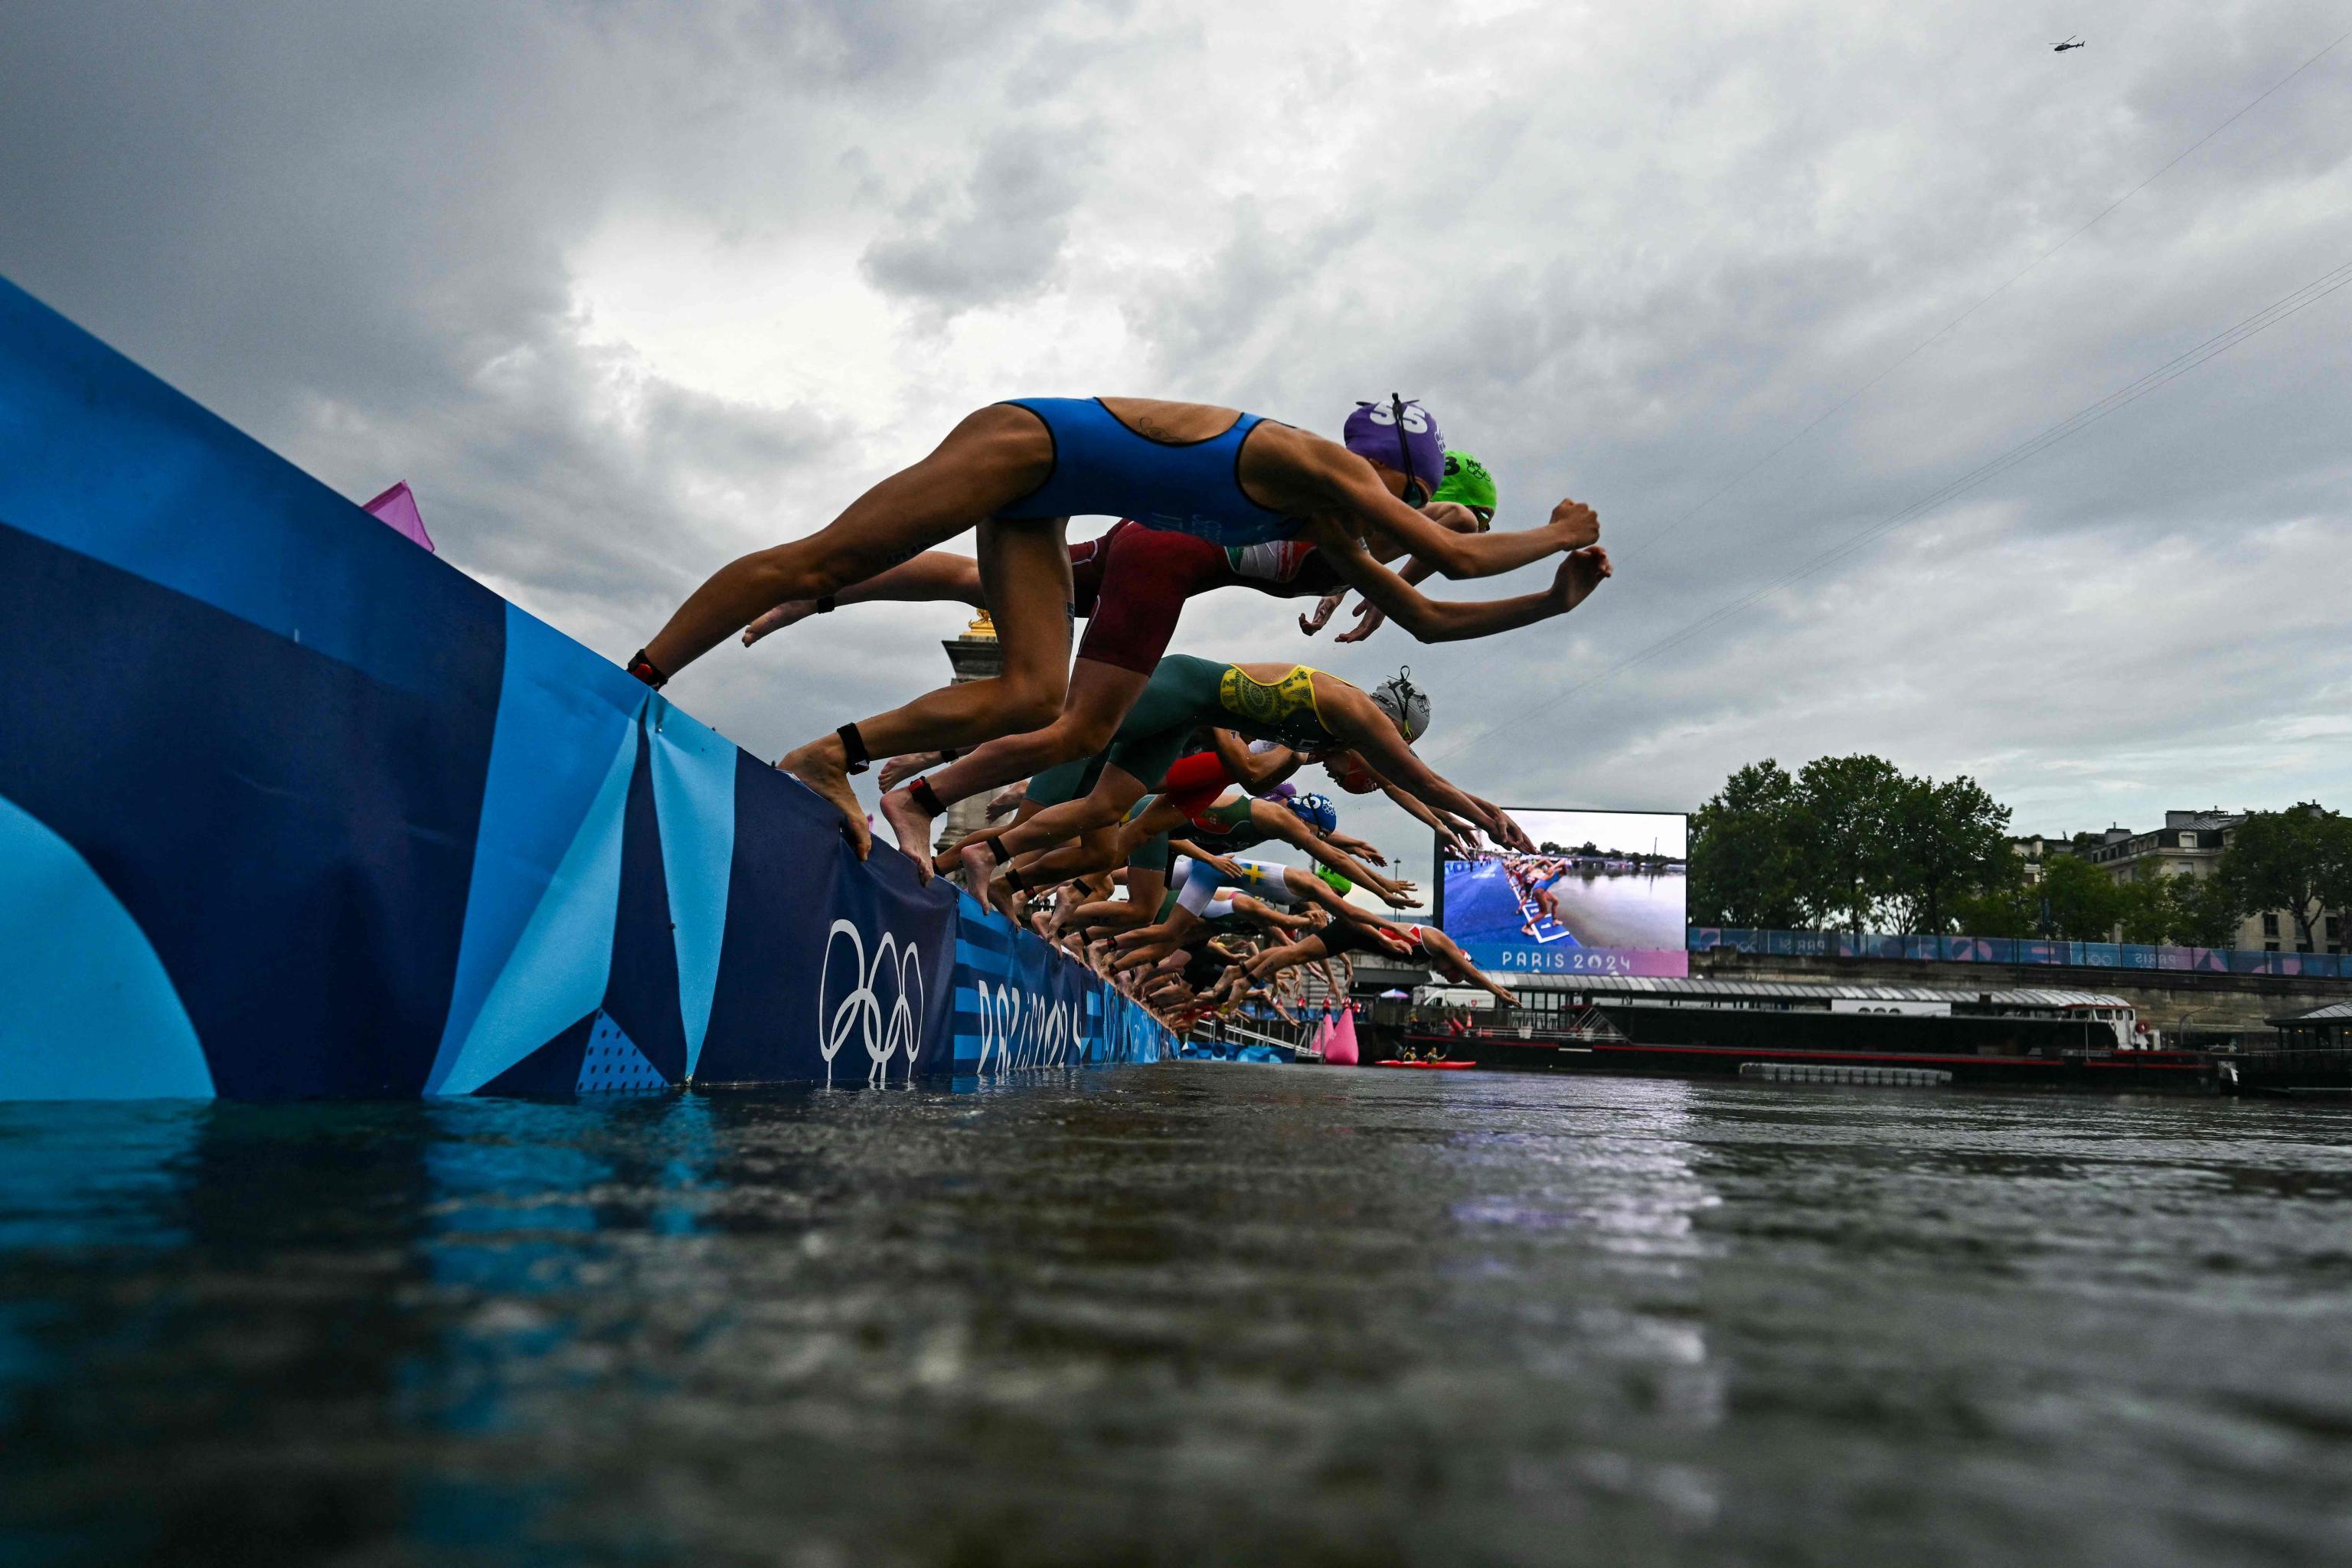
{"x":1602,"y":894}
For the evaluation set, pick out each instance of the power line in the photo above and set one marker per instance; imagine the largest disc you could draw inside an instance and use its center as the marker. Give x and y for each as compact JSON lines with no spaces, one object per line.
{"x":2074,"y":424}
{"x":1847,"y":401}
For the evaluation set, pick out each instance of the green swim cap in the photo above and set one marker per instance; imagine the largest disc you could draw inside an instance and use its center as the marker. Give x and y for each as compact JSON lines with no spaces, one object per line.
{"x":1468,"y":482}
{"x":1339,"y":884}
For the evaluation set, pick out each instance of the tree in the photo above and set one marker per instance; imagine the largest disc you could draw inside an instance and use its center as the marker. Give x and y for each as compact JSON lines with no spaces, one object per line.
{"x":1743,"y":851}
{"x":2012,"y":907}
{"x":2148,"y":908}
{"x":1948,"y":840}
{"x":2205,"y":914}
{"x":2299,"y":860}
{"x":2083,"y":902}
{"x":1844,"y":837}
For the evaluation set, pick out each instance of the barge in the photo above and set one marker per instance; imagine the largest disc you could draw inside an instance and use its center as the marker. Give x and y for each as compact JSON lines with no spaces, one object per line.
{"x":1912,"y":1033}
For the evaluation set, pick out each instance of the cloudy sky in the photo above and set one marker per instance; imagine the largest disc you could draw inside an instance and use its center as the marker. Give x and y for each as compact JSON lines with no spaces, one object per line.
{"x":624,"y":291}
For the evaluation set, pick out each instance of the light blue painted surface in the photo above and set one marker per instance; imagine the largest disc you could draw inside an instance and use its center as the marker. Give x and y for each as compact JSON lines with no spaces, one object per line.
{"x":694,"y":795}
{"x":553,"y":751}
{"x":87,"y":1011}
{"x":556,"y":975}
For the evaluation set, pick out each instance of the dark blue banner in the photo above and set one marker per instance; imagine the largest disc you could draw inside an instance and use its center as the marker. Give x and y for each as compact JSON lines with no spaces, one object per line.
{"x":288,"y":806}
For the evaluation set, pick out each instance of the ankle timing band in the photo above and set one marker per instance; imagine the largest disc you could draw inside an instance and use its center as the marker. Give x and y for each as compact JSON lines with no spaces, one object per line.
{"x":854,"y":744}
{"x":921,"y":793}
{"x":644,"y":669}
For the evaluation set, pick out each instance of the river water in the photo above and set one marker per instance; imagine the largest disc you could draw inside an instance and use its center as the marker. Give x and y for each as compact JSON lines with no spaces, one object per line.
{"x":1186,"y":1313}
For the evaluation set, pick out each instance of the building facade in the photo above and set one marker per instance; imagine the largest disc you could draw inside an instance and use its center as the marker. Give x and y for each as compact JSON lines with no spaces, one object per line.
{"x":2189,"y":843}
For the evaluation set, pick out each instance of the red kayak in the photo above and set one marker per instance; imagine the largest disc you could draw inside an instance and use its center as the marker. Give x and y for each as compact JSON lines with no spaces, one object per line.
{"x":1429,"y":1067}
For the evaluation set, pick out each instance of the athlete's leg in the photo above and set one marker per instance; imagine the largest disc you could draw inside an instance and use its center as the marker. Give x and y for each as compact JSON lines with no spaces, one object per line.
{"x":935,"y":574}
{"x":1105,"y":806}
{"x":1026,"y":574}
{"x":1143,"y":578}
{"x":996,"y":456}
{"x":1099,"y":697}
{"x":1097,"y":849}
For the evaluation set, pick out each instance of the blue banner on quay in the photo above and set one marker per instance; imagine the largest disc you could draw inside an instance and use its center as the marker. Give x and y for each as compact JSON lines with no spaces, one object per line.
{"x":2021,"y":950}
{"x":291,"y":807}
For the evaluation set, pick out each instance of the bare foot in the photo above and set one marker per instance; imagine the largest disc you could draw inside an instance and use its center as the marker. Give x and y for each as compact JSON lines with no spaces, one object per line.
{"x":791,"y":613}
{"x":912,"y":825}
{"x":824,"y":766}
{"x":978,"y":870}
{"x":901,"y":770}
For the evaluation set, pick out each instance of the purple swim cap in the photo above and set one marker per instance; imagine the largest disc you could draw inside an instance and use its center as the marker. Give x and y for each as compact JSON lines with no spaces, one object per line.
{"x":1410,"y":444}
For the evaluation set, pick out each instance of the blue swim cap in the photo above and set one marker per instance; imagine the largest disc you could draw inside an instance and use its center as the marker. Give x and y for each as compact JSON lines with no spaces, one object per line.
{"x":1316,"y":812}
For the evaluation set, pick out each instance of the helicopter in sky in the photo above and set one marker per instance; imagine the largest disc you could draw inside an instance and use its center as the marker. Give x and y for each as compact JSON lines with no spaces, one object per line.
{"x":2069,"y":44}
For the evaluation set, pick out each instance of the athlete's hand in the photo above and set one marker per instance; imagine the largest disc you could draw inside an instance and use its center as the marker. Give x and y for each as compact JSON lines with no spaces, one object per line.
{"x":1395,"y":942}
{"x":1578,"y":524}
{"x":1581,"y":572}
{"x":1400,"y":895}
{"x":777,"y":619}
{"x":1499,"y":827}
{"x":899,"y":770}
{"x":1224,"y":866}
{"x":1369,"y":617}
{"x":1315,"y":620}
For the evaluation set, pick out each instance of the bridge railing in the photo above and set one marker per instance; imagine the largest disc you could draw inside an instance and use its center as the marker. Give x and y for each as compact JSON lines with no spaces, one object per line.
{"x":2025,"y":951}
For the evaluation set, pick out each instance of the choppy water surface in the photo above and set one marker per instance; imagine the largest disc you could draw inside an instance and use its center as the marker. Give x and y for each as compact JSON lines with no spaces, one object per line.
{"x":1188,"y":1313}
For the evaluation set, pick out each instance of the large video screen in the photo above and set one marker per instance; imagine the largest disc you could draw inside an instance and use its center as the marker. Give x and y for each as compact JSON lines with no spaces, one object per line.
{"x":1602,"y":894}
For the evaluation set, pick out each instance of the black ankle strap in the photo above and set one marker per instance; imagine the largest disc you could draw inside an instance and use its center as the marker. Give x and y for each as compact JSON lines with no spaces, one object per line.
{"x":921,"y":793}
{"x":1012,"y":880}
{"x":825,"y":605}
{"x":854,"y":744}
{"x":994,"y":844}
{"x":644,"y":669}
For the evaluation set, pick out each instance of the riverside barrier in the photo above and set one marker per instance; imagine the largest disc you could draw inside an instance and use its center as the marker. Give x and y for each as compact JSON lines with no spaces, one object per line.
{"x":2021,"y":950}
{"x":291,"y":807}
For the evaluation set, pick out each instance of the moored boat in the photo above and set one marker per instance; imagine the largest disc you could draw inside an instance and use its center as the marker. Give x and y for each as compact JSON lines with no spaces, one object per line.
{"x":1689,"y":1027}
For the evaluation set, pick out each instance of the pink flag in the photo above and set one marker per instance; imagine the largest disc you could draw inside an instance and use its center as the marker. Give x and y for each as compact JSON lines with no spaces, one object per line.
{"x":397,"y":507}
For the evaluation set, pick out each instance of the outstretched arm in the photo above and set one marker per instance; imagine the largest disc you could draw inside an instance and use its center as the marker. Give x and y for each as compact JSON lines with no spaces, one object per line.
{"x":1359,"y":724}
{"x":1444,"y":620}
{"x":1450,"y":835}
{"x":1457,"y":963}
{"x":1256,"y":771}
{"x":1280,"y":821}
{"x":1368,"y":503}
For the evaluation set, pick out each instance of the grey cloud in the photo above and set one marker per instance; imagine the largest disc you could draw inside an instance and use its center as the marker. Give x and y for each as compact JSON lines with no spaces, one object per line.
{"x":1620,"y":265}
{"x":1001,"y":239}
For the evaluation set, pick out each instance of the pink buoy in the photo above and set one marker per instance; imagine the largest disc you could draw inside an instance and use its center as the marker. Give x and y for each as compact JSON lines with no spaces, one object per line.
{"x":396,"y":509}
{"x":1340,"y":1046}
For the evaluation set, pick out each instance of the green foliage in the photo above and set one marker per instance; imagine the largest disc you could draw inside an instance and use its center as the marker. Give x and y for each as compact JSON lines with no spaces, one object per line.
{"x":1950,"y":840}
{"x":1743,"y":852}
{"x":2010,"y":907}
{"x":1849,"y":842}
{"x":2299,"y":860}
{"x":2083,"y":902}
{"x":2146,"y":909}
{"x":1845,"y":835}
{"x":2205,"y":913}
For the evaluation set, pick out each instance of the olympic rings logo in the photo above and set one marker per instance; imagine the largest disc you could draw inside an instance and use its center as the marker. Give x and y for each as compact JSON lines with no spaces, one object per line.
{"x":888,"y":1029}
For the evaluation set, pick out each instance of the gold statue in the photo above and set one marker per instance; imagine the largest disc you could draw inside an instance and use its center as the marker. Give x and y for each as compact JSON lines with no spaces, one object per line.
{"x":982,"y":625}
